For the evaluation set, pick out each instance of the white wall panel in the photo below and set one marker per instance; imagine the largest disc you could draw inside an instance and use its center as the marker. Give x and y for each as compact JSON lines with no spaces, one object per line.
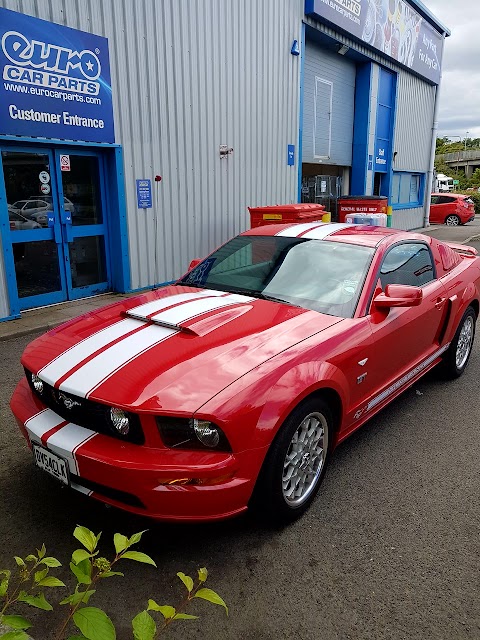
{"x":188,"y":76}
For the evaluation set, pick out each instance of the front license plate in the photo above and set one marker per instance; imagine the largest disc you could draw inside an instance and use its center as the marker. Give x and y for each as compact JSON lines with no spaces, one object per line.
{"x":51,"y":463}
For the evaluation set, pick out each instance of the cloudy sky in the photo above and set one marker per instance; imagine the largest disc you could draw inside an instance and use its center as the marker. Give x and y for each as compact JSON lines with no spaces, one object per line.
{"x":460,"y":89}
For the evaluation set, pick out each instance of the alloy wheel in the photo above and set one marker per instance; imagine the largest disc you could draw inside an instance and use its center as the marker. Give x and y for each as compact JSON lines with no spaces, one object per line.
{"x":464,"y":343}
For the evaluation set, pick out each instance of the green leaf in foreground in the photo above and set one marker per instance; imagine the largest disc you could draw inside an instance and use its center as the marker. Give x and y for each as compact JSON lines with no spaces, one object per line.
{"x":86,"y":537}
{"x":184,"y":616}
{"x":50,"y":562}
{"x":136,"y":537}
{"x":94,"y":624}
{"x":39,"y":602}
{"x":80,"y":554}
{"x":202,"y":574}
{"x":19,"y":561}
{"x":187,"y":581}
{"x":139,"y":557}
{"x":15,"y":635}
{"x":16,"y":622}
{"x":166,"y":610}
{"x":50,"y":581}
{"x":121,"y":542}
{"x":82,"y":571}
{"x":144,"y":627}
{"x":211,"y":596}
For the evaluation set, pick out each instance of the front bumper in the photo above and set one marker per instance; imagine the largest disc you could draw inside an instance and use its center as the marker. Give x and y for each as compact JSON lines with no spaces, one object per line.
{"x":139,"y":478}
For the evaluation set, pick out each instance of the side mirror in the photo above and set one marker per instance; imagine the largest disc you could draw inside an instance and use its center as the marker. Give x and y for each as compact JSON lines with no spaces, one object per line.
{"x":399,"y":295}
{"x":194,"y":263}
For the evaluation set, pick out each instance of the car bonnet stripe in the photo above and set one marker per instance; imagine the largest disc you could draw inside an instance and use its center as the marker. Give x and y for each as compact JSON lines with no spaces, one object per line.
{"x":38,"y":425}
{"x":62,"y":364}
{"x":297,"y":229}
{"x":193,"y":309}
{"x":320,"y":233}
{"x":155,"y":306}
{"x":106,"y":363}
{"x":56,"y":369}
{"x":67,"y":441}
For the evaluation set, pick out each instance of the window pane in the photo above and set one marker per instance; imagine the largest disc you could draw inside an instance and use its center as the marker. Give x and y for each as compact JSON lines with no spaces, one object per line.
{"x":395,"y":188}
{"x":415,"y":189}
{"x":407,"y":264}
{"x":36,"y":267}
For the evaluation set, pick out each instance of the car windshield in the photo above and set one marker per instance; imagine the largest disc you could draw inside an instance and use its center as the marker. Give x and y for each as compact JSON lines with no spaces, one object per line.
{"x":314,"y":274}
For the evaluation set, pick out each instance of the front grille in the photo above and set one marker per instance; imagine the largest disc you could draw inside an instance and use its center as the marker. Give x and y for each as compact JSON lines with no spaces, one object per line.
{"x":86,"y":413}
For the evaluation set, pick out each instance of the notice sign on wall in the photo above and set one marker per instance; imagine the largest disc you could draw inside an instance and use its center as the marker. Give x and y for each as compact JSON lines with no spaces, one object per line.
{"x":391,"y":26}
{"x":55,"y":81}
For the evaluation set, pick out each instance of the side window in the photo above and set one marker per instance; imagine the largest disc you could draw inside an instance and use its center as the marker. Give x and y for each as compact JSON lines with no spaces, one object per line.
{"x":407,"y":264}
{"x":435,"y":199}
{"x":445,"y":200}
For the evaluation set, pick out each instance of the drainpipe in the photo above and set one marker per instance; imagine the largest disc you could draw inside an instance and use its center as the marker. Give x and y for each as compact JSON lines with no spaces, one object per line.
{"x":428,"y":186}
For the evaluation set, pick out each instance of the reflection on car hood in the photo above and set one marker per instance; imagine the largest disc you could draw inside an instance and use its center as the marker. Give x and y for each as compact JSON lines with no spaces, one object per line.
{"x":171,"y":350}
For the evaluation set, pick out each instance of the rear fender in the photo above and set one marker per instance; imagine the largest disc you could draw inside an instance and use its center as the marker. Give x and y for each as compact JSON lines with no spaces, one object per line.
{"x":458,"y":307}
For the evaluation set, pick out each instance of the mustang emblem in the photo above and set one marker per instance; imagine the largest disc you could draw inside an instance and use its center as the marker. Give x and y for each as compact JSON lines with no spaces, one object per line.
{"x":68,"y":402}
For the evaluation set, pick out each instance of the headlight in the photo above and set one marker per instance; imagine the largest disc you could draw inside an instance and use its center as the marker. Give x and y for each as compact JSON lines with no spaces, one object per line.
{"x":207,"y":433}
{"x":181,"y":433}
{"x":37,"y":383}
{"x":120,"y":421}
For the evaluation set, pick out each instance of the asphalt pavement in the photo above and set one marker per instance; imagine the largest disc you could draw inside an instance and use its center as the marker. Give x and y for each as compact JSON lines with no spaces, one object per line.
{"x":389,"y":549}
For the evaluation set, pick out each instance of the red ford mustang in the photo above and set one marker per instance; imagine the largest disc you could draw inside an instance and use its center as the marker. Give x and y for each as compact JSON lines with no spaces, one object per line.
{"x":233,"y":386}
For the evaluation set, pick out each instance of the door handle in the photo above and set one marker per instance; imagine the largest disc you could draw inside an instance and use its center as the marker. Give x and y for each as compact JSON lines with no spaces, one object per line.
{"x":440,"y":302}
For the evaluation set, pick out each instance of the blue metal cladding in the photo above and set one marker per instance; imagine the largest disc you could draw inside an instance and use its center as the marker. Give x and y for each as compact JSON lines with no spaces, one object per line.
{"x":360,"y":128}
{"x":56,"y":81}
{"x":384,"y":130}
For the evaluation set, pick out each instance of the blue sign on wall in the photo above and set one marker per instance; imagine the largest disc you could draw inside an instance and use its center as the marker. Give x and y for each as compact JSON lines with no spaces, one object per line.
{"x":55,"y":81}
{"x":290,"y":155}
{"x":144,"y":194}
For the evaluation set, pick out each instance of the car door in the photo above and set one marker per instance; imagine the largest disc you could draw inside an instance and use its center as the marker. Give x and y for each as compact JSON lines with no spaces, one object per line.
{"x":406,"y":339}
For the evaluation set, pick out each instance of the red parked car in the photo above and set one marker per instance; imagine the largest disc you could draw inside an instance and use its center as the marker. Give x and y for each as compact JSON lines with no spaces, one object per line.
{"x":233,"y":386}
{"x":451,"y":209}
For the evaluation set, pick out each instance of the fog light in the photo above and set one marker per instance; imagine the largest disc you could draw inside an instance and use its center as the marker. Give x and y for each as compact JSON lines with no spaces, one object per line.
{"x":37,"y":383}
{"x":120,"y":420}
{"x":207,"y":433}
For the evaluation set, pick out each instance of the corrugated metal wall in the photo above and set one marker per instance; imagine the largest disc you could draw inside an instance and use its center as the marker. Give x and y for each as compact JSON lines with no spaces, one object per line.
{"x":329,"y":72}
{"x":413,"y":123}
{"x":188,"y":76}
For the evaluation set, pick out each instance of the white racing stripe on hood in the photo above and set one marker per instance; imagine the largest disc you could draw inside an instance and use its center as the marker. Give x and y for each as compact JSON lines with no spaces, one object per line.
{"x":162,"y":303}
{"x":322,"y":232}
{"x":67,"y":441}
{"x":102,"y":366}
{"x":295,"y":230}
{"x":63,"y":363}
{"x":106,"y":363}
{"x":68,"y":359}
{"x":190,"y":310}
{"x":38,"y":425}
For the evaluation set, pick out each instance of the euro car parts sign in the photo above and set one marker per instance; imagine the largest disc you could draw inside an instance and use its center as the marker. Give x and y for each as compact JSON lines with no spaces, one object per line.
{"x":55,"y":81}
{"x":390,"y":26}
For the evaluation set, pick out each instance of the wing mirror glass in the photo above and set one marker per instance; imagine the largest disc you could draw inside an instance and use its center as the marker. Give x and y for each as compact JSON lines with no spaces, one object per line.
{"x":399,"y":295}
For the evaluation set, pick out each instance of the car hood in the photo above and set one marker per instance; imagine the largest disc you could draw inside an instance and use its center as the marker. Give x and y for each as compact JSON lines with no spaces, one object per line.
{"x":168,"y":350}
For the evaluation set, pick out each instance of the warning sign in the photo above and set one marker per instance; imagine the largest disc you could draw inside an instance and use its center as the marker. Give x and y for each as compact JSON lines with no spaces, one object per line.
{"x":65,"y":163}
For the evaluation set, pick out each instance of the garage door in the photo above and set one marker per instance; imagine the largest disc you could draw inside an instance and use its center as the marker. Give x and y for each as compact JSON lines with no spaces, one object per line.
{"x":328,"y":107}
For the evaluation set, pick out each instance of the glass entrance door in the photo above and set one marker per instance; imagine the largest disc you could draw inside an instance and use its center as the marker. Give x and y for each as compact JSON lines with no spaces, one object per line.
{"x":57,"y":219}
{"x":82,"y":214}
{"x":34,"y":228}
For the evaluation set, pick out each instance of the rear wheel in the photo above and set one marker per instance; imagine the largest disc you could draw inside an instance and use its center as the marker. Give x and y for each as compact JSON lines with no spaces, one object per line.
{"x":295,"y":464}
{"x":452,"y":220}
{"x":457,"y":356}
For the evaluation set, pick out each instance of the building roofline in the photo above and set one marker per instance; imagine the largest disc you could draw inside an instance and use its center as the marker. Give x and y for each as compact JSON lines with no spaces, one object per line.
{"x":428,"y":15}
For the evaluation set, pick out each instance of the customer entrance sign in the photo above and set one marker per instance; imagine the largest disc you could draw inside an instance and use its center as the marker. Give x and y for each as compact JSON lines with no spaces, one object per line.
{"x":55,"y":81}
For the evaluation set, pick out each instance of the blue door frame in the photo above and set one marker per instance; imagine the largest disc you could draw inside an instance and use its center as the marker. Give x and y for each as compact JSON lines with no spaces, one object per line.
{"x":113,"y":226}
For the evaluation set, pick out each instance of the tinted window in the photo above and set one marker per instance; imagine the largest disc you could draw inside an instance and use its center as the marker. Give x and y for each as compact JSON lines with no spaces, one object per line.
{"x":407,"y":264}
{"x":445,"y":200}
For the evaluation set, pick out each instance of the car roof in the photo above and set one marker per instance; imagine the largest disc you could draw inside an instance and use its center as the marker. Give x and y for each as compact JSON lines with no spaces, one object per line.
{"x":452,"y":195}
{"x":365,"y":235}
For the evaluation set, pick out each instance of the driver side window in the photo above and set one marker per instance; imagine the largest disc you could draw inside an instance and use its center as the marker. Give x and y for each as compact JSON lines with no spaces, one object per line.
{"x":409,"y":263}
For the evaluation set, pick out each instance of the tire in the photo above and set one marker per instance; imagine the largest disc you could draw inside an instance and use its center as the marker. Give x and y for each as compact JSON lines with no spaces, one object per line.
{"x":458,"y":354}
{"x":453,"y":221}
{"x":291,"y":475}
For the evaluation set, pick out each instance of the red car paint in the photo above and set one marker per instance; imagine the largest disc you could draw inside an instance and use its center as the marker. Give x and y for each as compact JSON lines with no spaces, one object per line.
{"x":451,"y":208}
{"x":242,"y":363}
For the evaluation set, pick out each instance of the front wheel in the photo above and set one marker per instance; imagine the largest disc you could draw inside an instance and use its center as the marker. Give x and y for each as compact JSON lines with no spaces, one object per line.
{"x":452,"y":221}
{"x":295,"y":464}
{"x":458,"y":354}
